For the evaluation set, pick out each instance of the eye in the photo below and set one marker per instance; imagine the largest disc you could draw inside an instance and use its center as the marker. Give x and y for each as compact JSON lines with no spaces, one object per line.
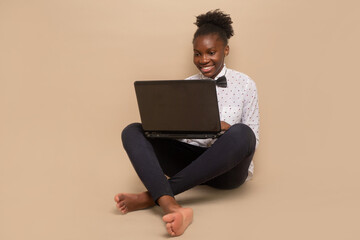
{"x":196,"y":54}
{"x":212,"y":53}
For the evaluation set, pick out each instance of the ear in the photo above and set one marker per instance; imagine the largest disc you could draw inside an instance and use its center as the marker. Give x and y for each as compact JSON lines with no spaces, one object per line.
{"x":227,"y":50}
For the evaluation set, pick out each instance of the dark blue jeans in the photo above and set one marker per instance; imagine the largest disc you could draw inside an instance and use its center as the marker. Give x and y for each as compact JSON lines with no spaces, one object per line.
{"x":224,"y":165}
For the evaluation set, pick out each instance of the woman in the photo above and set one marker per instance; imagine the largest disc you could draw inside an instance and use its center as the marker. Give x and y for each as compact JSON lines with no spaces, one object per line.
{"x":223,"y":163}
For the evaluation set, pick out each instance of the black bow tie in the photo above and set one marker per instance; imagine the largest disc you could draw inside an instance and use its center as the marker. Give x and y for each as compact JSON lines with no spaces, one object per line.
{"x":221,"y":82}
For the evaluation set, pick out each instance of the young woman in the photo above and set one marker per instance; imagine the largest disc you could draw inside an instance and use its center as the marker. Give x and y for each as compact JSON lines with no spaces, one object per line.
{"x":223,"y":163}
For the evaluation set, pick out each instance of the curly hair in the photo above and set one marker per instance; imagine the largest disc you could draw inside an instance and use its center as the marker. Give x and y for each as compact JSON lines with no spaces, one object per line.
{"x":214,"y":22}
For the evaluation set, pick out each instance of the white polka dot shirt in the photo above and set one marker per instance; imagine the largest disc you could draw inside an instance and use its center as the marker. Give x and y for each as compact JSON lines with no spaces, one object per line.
{"x":238,"y":103}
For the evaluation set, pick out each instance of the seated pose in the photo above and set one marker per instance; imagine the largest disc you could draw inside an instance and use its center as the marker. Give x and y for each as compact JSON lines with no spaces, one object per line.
{"x":168,"y":167}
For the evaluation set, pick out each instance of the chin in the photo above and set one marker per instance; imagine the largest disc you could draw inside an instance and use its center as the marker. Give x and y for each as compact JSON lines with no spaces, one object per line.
{"x":208,"y":75}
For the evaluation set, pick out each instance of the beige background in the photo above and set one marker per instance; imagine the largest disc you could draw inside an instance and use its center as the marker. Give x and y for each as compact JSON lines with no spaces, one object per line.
{"x":66,"y":91}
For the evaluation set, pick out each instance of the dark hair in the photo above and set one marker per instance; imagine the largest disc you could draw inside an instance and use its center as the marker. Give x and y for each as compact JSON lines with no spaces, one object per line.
{"x":214,"y":22}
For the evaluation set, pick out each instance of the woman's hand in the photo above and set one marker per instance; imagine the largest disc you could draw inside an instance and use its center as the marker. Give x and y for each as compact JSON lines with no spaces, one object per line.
{"x":224,"y":126}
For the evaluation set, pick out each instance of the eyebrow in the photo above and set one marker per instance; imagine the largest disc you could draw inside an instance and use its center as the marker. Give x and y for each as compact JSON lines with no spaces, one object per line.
{"x":208,"y":49}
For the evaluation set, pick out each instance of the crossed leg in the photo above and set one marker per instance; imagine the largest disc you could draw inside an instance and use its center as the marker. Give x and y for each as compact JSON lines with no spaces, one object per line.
{"x":151,"y":165}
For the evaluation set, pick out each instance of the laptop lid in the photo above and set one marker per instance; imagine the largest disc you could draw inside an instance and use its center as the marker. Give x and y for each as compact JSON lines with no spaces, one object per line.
{"x":178,"y":106}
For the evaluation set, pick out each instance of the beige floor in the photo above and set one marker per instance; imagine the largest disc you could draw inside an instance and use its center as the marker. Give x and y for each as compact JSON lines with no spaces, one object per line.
{"x":66,"y":91}
{"x":68,"y":194}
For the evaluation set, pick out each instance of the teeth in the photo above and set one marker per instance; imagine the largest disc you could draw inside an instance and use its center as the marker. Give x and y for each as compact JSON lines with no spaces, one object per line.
{"x":206,"y":68}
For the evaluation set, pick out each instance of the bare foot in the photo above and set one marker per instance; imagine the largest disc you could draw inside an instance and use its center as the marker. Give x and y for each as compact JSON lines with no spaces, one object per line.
{"x":178,"y":221}
{"x":128,"y":202}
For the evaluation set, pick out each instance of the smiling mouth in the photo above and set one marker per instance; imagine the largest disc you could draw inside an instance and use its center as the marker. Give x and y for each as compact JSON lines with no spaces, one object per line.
{"x":206,"y":69}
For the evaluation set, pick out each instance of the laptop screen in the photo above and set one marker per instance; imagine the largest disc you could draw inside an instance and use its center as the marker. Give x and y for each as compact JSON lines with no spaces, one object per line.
{"x":178,"y":105}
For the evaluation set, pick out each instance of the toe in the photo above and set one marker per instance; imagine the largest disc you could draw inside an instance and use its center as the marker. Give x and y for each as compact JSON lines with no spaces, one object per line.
{"x":169,"y":218}
{"x":118,"y":197}
{"x":121,"y":205}
{"x":124,"y":210}
{"x":169,"y":229}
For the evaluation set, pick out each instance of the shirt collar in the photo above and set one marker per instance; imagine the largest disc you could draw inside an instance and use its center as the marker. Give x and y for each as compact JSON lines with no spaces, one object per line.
{"x":221,"y":73}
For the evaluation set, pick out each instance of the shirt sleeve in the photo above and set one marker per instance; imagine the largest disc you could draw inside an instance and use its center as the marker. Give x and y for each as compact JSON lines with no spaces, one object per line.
{"x":250,"y":113}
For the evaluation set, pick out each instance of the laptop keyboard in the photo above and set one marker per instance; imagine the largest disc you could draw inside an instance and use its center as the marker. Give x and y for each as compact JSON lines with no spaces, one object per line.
{"x":181,"y":135}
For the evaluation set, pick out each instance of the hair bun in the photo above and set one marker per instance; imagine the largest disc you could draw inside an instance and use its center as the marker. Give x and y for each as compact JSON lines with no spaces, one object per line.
{"x":217,"y":18}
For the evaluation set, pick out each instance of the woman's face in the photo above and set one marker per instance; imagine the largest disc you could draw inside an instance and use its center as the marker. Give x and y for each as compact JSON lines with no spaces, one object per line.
{"x":209,"y":54}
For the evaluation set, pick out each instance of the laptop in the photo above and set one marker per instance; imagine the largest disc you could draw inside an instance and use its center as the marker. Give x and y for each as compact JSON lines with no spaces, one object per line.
{"x":178,"y":108}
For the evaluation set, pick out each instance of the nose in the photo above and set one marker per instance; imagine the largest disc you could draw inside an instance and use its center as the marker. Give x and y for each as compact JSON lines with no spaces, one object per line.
{"x":204,"y":59}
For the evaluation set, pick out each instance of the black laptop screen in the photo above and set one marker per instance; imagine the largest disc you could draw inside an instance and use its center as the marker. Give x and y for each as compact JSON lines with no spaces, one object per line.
{"x":178,"y":105}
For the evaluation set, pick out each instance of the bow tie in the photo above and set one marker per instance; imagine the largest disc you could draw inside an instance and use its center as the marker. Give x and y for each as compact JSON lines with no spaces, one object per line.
{"x":221,"y":82}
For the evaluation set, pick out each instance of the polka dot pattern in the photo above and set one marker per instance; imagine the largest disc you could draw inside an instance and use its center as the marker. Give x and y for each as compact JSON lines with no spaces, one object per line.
{"x":238,"y":103}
